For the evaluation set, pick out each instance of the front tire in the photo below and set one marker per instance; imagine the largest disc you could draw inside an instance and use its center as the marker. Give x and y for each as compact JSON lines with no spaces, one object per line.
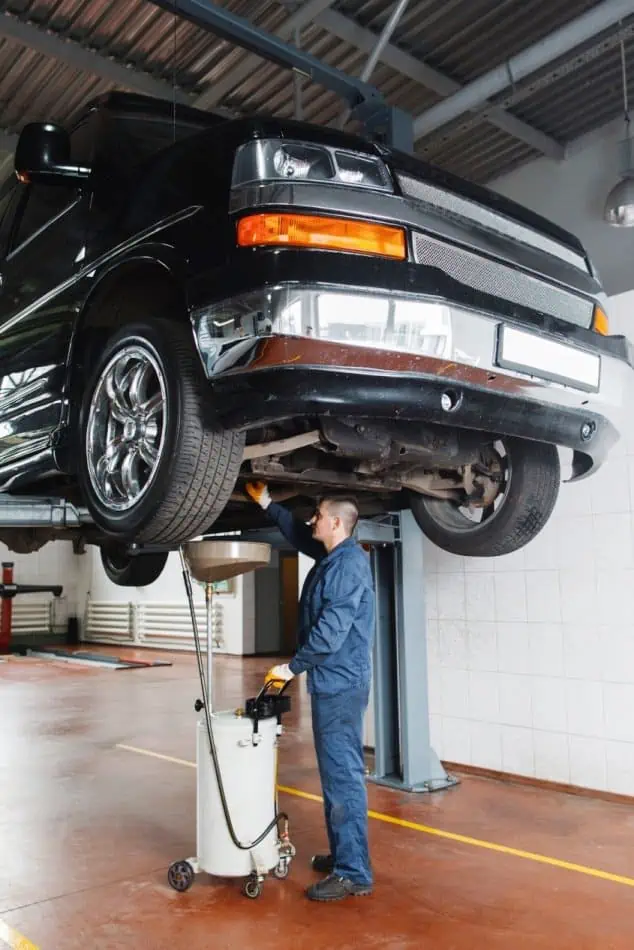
{"x":531,"y":486}
{"x":155,"y":465}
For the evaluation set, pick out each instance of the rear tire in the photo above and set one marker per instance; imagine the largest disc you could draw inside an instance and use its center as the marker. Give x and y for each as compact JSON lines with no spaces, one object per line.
{"x":528,"y":502}
{"x":155,"y":465}
{"x":132,"y":570}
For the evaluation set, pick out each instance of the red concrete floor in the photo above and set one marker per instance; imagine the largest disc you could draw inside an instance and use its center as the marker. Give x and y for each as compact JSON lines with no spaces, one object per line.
{"x":88,"y":830}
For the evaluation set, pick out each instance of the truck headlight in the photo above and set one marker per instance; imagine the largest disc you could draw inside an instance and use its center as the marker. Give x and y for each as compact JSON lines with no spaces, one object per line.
{"x":271,"y":160}
{"x":384,"y":322}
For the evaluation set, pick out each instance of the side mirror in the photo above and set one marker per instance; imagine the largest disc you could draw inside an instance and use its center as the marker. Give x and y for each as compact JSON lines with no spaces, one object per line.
{"x":43,"y":155}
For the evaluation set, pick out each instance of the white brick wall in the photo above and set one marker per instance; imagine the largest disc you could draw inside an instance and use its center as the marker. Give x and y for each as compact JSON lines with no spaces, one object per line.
{"x":531,"y":656}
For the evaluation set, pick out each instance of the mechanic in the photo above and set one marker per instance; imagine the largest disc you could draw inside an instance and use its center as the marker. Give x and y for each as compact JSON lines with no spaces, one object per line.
{"x":335,"y":636}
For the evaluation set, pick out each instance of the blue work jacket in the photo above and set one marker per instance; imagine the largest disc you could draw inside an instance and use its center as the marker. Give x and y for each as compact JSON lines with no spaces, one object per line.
{"x":336,"y":610}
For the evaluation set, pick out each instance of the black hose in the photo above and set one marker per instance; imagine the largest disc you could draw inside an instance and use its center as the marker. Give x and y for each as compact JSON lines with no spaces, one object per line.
{"x":212,"y":744}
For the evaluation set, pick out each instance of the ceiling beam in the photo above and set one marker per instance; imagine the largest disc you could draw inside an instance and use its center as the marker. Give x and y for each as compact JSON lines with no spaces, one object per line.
{"x":86,"y":60}
{"x":475,"y":94}
{"x":240,"y":31}
{"x":318,"y":11}
{"x":308,"y":12}
{"x":8,"y":141}
{"x":81,"y":58}
{"x":6,"y":168}
{"x":545,"y":78}
{"x":414,"y":68}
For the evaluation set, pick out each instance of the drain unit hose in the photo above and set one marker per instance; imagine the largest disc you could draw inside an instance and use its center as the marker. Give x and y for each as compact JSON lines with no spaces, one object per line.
{"x":210,"y":735}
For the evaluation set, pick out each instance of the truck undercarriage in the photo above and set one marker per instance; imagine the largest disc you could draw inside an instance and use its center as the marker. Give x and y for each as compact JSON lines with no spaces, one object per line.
{"x":372,"y":459}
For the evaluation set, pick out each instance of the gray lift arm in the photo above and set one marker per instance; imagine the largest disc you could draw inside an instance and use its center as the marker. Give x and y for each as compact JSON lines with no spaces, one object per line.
{"x":383,"y":123}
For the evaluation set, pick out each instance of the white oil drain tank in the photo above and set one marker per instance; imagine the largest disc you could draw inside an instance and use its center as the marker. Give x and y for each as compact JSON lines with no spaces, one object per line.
{"x":249,"y":780}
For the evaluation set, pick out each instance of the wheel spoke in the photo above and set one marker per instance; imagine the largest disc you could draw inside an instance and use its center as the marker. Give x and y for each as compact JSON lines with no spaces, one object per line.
{"x":112,"y":429}
{"x":152,"y":432}
{"x":106,"y":468}
{"x":129,"y":473}
{"x":124,"y":374}
{"x":152,"y":406}
{"x":118,"y":408}
{"x":140,"y":376}
{"x":148,"y":453}
{"x":107,"y":464}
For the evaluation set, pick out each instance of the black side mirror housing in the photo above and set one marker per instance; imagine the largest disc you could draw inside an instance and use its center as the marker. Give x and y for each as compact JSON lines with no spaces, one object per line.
{"x":43,"y":155}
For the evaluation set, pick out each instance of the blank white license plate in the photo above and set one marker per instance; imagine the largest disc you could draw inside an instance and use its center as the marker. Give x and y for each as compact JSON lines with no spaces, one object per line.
{"x":548,"y":359}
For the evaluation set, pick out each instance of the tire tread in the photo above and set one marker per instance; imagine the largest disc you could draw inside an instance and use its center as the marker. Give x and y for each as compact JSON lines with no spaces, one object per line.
{"x":207,"y":464}
{"x":537,"y":477}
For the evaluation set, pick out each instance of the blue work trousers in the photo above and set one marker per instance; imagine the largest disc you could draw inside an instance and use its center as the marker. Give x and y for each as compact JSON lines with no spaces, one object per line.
{"x":338,"y":734}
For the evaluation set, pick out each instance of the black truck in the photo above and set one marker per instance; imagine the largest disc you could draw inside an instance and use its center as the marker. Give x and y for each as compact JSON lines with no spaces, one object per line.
{"x":189,"y":301}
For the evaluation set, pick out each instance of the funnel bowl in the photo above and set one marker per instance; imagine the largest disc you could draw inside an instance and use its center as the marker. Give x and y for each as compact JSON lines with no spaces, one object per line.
{"x":210,"y":561}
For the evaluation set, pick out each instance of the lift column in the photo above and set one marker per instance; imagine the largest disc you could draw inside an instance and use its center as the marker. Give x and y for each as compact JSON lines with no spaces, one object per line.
{"x":403,"y":754}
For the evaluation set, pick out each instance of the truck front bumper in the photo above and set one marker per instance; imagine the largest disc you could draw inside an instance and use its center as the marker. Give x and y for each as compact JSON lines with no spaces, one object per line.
{"x":291,"y":350}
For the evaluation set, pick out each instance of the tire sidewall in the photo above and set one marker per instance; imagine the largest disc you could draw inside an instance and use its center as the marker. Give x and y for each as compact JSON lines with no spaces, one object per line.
{"x":137,"y":570}
{"x":130,"y":522}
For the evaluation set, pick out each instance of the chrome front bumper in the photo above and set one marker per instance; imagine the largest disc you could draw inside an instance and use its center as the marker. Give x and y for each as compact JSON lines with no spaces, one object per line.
{"x":423,"y":338}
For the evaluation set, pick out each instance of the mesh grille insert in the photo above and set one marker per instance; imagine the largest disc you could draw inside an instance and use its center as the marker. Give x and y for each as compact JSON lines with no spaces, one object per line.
{"x":465,"y":210}
{"x":490,"y":277}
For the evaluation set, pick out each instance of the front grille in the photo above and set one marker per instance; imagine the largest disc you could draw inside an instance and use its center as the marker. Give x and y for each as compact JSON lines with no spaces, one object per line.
{"x":499,"y":280}
{"x":436,"y":199}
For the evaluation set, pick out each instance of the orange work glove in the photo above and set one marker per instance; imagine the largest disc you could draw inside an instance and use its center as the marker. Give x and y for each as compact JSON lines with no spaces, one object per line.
{"x":259,"y":492}
{"x":278,"y":675}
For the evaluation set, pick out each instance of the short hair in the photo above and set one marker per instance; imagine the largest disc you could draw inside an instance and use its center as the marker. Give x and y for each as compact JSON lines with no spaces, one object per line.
{"x":344,"y":507}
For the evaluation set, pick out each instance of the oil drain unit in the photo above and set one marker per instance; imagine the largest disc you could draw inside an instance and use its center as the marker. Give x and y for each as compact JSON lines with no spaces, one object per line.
{"x":239,"y":832}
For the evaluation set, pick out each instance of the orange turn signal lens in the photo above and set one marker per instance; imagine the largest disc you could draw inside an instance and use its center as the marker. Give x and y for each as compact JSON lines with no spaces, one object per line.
{"x":335,"y":234}
{"x":600,"y":323}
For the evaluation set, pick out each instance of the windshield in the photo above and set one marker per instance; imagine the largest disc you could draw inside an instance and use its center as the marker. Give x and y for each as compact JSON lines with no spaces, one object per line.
{"x":133,"y":139}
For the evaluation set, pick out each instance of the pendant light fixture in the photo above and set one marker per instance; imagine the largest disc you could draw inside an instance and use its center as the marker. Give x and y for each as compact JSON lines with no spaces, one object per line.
{"x":619,"y":205}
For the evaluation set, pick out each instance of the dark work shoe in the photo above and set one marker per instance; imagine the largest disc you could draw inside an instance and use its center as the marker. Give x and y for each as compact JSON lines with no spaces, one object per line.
{"x":335,"y":888}
{"x":323,"y":863}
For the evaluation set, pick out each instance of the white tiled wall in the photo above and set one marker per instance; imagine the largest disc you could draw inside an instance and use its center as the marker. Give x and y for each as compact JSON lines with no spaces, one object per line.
{"x":531,"y":656}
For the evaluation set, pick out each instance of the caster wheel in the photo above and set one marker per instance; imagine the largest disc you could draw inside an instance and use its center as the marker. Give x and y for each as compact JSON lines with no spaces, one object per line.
{"x":252,"y":889}
{"x":181,"y":875}
{"x":281,"y":871}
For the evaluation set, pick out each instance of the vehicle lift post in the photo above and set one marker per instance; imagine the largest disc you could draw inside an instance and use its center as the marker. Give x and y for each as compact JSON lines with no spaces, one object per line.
{"x":403,"y":754}
{"x":9,"y":590}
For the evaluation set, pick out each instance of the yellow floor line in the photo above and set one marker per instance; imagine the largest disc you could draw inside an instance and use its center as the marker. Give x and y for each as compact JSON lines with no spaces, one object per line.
{"x":157,"y":755}
{"x":13,"y":939}
{"x":426,"y":829}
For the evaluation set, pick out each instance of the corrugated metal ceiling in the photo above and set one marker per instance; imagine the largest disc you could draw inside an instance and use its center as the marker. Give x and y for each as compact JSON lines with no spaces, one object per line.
{"x":461,"y":38}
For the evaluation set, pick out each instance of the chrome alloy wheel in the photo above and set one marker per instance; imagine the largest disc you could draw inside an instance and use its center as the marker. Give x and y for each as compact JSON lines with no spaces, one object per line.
{"x":126,"y":427}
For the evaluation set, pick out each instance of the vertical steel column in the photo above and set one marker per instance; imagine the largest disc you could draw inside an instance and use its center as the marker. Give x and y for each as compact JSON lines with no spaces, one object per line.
{"x":422,"y":770}
{"x":400,"y":687}
{"x":384,"y":685}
